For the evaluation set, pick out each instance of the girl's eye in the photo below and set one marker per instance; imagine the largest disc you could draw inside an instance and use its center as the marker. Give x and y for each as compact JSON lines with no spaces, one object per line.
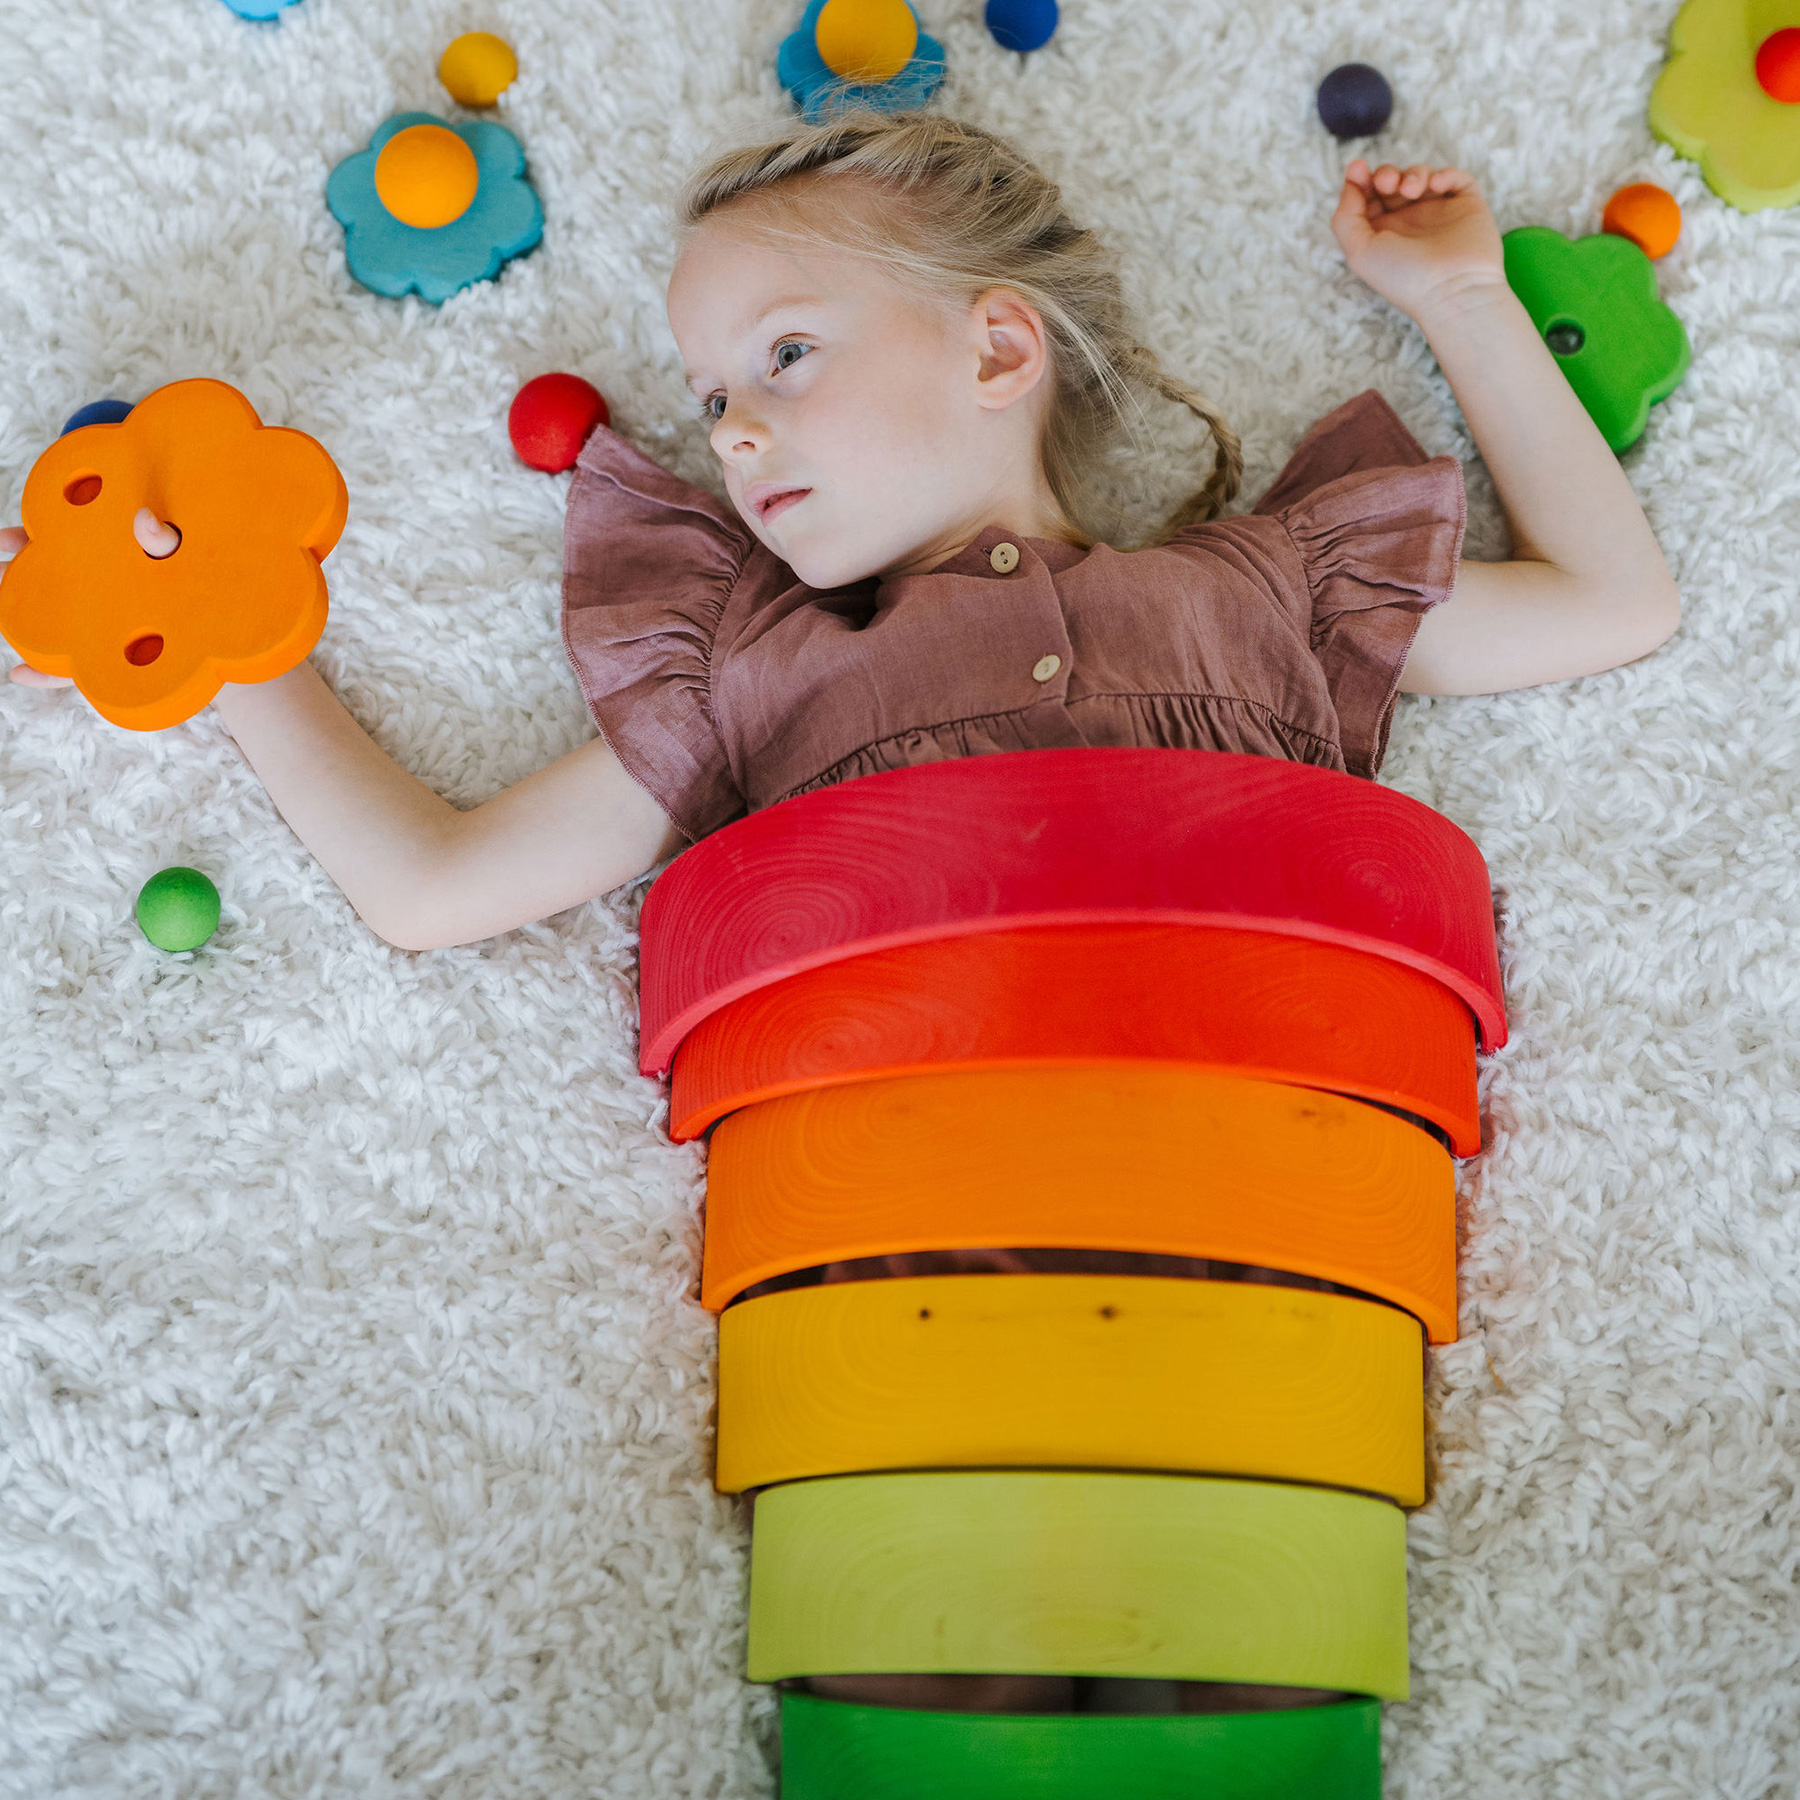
{"x":713,"y":406}
{"x":786,"y":355}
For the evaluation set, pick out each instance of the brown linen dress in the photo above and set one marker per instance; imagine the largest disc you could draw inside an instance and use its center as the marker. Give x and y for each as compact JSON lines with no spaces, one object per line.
{"x":725,"y":684}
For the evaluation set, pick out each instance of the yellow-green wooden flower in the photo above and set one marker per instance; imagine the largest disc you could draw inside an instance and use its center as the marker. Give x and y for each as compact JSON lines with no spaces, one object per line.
{"x":1709,"y":106}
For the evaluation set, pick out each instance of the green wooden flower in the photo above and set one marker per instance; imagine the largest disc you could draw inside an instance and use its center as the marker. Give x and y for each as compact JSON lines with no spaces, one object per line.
{"x":1595,"y":301}
{"x":1709,"y":106}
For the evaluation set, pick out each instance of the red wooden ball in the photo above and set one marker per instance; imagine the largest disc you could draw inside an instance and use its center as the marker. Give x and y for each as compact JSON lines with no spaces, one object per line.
{"x":1778,"y":65}
{"x":552,"y":416}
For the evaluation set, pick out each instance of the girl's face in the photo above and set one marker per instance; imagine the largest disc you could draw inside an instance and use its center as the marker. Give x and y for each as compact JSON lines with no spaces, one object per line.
{"x":863,"y":429}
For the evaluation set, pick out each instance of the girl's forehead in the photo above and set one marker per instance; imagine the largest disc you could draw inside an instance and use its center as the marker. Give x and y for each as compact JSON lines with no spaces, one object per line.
{"x":728,"y":279}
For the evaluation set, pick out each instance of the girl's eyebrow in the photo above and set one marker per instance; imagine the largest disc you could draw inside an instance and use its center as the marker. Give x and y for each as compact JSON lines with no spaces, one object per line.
{"x":750,"y":327}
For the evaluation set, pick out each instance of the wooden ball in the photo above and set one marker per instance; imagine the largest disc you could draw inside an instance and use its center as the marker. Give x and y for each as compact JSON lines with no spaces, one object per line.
{"x":1355,"y":101}
{"x":478,"y":68}
{"x":1778,"y":65}
{"x":426,"y":176}
{"x":1023,"y":25}
{"x":1646,"y":214}
{"x":178,"y":910}
{"x":866,"y":40}
{"x":97,"y":412}
{"x":551,"y":417}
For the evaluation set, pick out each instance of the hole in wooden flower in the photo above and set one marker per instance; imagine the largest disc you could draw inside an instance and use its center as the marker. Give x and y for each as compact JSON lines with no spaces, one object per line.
{"x":1565,"y":337}
{"x":144,"y":650}
{"x":83,"y":490}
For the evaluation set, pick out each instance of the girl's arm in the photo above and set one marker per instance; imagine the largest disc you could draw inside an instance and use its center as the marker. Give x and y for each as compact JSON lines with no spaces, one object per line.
{"x":1587,"y":588}
{"x":420,"y":872}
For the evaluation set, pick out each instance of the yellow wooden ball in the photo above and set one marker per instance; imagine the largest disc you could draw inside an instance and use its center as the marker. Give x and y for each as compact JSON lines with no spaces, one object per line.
{"x":866,"y":40}
{"x":478,"y":68}
{"x":426,"y":176}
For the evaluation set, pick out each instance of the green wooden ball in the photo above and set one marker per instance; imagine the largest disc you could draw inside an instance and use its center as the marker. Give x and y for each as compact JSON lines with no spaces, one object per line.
{"x":178,"y":909}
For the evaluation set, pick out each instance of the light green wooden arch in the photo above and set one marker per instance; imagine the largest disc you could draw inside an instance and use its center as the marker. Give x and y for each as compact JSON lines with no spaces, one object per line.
{"x":1066,"y":1573}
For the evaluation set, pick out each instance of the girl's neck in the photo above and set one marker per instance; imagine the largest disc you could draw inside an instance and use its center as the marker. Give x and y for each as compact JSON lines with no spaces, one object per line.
{"x":1031,"y":512}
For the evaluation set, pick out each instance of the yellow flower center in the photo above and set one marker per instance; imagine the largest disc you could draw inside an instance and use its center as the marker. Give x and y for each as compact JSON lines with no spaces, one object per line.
{"x":426,"y":176}
{"x":866,"y":40}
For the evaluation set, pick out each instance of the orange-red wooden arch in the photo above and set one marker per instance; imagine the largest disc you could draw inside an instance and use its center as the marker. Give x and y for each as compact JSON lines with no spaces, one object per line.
{"x":1244,"y":1002}
{"x":1048,"y":837}
{"x":1163,"y":1159}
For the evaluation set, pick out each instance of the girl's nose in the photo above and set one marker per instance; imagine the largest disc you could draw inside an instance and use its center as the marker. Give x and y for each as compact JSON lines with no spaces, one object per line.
{"x":740,"y":432}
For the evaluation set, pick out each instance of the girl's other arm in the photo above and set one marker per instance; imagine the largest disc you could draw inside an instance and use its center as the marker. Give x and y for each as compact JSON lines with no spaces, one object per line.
{"x":1587,"y":587}
{"x":421,"y":873}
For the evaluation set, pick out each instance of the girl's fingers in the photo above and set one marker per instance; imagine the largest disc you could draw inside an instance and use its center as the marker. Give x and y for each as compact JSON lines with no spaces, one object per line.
{"x":1391,"y":182}
{"x":1350,"y":223}
{"x":12,"y":540}
{"x":26,"y":676}
{"x":159,"y":540}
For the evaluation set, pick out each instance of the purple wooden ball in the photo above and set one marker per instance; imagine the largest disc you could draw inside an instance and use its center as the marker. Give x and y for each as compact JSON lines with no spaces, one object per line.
{"x":1355,"y":101}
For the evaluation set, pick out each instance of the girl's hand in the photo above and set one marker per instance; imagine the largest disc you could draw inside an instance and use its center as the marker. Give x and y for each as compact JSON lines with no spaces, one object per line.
{"x":1417,"y":236}
{"x":156,"y":539}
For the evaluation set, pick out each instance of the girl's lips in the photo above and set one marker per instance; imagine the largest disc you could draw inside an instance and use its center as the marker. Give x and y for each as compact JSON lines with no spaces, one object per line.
{"x":775,"y":501}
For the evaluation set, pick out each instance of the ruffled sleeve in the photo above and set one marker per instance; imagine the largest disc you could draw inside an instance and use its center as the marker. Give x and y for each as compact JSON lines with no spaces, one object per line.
{"x":649,"y":563}
{"x":1378,"y":526}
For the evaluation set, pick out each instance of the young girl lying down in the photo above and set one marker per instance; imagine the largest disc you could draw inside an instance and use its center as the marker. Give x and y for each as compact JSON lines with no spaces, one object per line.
{"x":910,"y":358}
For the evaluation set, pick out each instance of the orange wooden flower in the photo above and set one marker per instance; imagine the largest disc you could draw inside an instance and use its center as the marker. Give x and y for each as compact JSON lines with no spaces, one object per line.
{"x":149,"y":641}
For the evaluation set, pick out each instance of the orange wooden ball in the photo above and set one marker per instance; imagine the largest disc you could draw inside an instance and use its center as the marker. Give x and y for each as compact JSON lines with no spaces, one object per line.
{"x":1646,"y":214}
{"x":426,"y":176}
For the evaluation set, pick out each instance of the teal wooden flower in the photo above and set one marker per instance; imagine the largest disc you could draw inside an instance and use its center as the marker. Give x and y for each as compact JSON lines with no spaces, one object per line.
{"x":431,"y":208}
{"x":854,"y":53}
{"x":1595,"y":301}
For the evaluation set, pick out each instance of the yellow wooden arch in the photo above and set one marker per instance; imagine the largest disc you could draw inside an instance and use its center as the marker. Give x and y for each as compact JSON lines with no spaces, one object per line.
{"x":1072,"y":1371}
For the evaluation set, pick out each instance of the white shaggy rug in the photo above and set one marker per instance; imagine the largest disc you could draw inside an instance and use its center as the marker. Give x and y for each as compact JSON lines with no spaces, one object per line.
{"x":353,"y":1396}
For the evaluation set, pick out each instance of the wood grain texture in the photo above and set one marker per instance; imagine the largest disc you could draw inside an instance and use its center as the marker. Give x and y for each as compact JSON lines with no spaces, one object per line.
{"x":1072,"y":1372}
{"x":1069,"y":837}
{"x":834,"y":1751}
{"x":1247,"y":1002}
{"x":1170,"y":1160}
{"x":1058,"y":1573}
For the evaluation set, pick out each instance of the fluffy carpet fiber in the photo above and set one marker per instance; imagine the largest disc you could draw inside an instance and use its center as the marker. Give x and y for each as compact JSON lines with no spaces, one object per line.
{"x":354,"y":1401}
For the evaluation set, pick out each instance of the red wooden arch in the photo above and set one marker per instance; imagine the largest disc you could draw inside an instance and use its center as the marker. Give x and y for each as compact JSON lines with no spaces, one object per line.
{"x":1243,"y":1002}
{"x":1065,"y":837}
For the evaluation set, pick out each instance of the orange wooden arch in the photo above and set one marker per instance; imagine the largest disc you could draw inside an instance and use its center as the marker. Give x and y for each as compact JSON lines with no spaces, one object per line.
{"x":1244,"y":1002}
{"x":1169,"y":1160}
{"x":1064,"y":837}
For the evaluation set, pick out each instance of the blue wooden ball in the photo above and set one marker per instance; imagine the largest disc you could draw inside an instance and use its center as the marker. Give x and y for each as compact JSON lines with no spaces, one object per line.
{"x":1355,"y":101}
{"x":1022,"y":24}
{"x":97,"y":412}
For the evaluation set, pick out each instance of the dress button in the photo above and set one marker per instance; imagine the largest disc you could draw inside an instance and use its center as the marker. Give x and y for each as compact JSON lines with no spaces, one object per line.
{"x":1004,"y":557}
{"x":1045,"y":667}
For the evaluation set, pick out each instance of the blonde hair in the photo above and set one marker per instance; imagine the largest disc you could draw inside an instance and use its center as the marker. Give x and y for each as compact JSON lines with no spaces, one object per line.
{"x":973,"y":214}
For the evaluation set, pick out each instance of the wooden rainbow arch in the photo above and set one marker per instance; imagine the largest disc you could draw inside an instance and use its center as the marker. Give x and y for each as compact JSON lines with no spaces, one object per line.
{"x":1179,"y":1048}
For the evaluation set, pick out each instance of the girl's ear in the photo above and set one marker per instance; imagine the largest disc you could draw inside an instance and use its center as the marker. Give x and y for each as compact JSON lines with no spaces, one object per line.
{"x":1012,"y":352}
